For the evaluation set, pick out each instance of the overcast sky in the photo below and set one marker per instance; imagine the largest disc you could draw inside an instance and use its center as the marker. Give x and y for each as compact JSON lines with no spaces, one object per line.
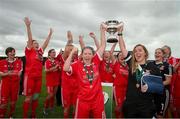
{"x":153,"y":23}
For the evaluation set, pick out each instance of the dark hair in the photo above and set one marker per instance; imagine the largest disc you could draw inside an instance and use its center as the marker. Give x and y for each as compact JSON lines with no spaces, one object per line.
{"x":33,"y":41}
{"x":88,"y":47}
{"x":9,"y":49}
{"x":50,"y":51}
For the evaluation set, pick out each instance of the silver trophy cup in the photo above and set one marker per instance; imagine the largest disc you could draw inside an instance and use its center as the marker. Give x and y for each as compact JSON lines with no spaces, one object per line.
{"x":112,"y":29}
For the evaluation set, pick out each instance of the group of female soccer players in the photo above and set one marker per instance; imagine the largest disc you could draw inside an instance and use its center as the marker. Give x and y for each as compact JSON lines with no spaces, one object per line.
{"x":80,"y":75}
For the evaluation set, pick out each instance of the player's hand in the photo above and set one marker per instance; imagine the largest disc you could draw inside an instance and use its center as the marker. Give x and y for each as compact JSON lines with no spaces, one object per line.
{"x":60,"y":68}
{"x":81,"y":38}
{"x":12,"y":73}
{"x":92,"y":35}
{"x":103,"y":27}
{"x":27,"y":21}
{"x":120,"y":27}
{"x":50,"y":31}
{"x":144,"y":88}
{"x":57,"y":66}
{"x":69,"y":36}
{"x":61,"y":51}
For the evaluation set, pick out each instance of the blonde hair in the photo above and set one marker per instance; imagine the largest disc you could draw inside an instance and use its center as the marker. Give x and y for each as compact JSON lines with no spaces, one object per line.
{"x":134,"y":64}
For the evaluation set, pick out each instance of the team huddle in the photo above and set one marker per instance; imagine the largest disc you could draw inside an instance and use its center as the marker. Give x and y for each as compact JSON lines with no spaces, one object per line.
{"x":79,"y":75}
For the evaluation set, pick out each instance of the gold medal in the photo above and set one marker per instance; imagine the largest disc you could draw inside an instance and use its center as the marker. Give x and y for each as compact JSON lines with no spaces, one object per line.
{"x":137,"y":85}
{"x":90,"y":86}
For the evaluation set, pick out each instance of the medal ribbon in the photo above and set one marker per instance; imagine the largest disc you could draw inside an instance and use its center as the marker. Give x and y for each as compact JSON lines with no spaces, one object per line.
{"x":139,"y":74}
{"x":10,"y":66}
{"x":90,"y":73}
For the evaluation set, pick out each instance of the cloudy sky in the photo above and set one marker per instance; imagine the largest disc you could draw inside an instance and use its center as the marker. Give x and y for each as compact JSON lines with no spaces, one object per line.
{"x":153,"y":23}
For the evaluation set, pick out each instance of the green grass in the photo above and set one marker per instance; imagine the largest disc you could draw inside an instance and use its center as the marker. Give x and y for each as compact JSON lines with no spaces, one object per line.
{"x":58,"y":112}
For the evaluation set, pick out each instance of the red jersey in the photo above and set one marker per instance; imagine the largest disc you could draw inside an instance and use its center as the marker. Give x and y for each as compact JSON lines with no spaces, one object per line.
{"x":177,"y":84}
{"x":173,"y":61}
{"x":52,"y":77}
{"x":61,"y":60}
{"x":89,"y":88}
{"x":15,"y":66}
{"x":106,"y":72}
{"x":34,"y":62}
{"x":121,"y":74}
{"x":67,"y":81}
{"x":61,"y":64}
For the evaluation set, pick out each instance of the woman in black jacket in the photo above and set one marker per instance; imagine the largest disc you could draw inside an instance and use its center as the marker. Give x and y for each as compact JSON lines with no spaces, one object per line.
{"x":139,"y":103}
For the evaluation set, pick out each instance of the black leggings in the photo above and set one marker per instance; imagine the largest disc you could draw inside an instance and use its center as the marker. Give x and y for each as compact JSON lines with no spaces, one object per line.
{"x":162,"y":102}
{"x":139,"y":109}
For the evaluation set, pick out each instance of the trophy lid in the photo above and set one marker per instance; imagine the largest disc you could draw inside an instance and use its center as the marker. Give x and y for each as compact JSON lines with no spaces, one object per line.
{"x":112,"y":22}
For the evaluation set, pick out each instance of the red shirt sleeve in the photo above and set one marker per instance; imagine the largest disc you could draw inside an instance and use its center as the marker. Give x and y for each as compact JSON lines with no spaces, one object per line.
{"x":20,"y":65}
{"x":27,"y":51}
{"x":41,"y":51}
{"x":47,"y":64}
{"x":1,"y":66}
{"x":73,"y":68}
{"x":97,"y":59}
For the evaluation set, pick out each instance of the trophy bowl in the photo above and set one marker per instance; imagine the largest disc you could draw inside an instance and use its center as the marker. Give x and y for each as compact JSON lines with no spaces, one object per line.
{"x":112,"y":29}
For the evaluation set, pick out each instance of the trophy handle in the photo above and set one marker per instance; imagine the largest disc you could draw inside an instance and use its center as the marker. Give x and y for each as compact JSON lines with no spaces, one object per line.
{"x":120,"y":24}
{"x":104,"y":25}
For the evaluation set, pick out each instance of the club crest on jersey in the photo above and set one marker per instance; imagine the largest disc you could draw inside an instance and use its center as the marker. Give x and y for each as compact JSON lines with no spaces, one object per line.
{"x":106,"y":97}
{"x":39,"y":56}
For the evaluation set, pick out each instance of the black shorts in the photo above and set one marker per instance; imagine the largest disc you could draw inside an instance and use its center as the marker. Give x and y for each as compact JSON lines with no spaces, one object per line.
{"x":139,"y":109}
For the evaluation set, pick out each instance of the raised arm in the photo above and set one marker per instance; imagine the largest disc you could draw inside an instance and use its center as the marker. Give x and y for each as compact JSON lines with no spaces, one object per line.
{"x":67,"y":63}
{"x":68,"y":44}
{"x":111,"y":53}
{"x":81,"y":42}
{"x":121,"y":41}
{"x":46,"y":42}
{"x":70,"y":38}
{"x":103,"y":28}
{"x":27,"y":22}
{"x":93,"y":36}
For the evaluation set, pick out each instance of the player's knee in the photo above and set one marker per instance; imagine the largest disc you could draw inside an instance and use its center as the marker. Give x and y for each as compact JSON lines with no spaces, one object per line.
{"x":35,"y":96}
{"x":28,"y":98}
{"x":66,"y":109}
{"x":12,"y":103}
{"x":51,"y":95}
{"x":3,"y":106}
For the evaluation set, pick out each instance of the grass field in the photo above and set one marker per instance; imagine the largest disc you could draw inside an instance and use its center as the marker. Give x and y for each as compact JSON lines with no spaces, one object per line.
{"x":58,"y":112}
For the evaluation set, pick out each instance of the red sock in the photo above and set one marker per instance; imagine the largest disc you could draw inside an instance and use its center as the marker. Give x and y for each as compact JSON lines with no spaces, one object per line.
{"x":117,"y":113}
{"x":73,"y":114}
{"x":34,"y":106}
{"x":2,"y":112}
{"x":66,"y":113}
{"x":46,"y":103}
{"x":52,"y":102}
{"x":12,"y":109}
{"x":25,"y":109}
